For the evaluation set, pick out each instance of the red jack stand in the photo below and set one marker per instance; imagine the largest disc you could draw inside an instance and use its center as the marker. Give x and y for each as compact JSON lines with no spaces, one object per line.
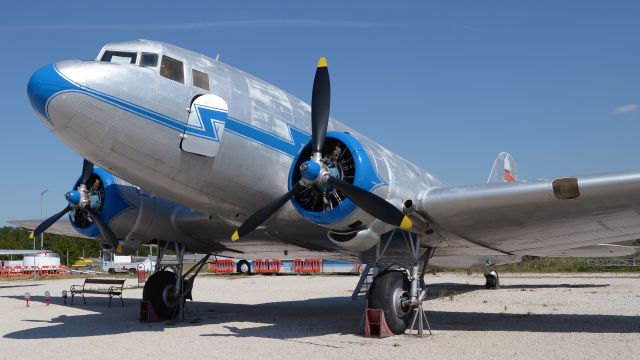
{"x":148,"y":313}
{"x":375,"y":324}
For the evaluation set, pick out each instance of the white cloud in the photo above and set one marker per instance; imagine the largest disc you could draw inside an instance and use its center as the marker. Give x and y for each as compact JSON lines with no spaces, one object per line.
{"x":625,"y":109}
{"x":265,"y":23}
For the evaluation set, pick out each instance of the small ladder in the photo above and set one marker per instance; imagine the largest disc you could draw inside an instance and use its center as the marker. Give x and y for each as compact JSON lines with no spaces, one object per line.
{"x":366,"y":278}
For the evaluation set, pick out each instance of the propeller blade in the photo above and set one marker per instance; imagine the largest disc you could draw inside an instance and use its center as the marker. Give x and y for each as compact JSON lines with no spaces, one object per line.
{"x":263,"y":214}
{"x":320,"y":104}
{"x":372,"y":204}
{"x":87,"y":170}
{"x":105,"y":231}
{"x":50,"y":221}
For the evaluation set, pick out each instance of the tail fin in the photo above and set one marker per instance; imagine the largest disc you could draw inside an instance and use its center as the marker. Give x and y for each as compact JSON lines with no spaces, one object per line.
{"x":504,"y":169}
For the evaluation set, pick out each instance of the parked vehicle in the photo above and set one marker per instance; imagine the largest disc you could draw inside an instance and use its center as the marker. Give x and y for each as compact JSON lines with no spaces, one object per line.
{"x":126,"y":264}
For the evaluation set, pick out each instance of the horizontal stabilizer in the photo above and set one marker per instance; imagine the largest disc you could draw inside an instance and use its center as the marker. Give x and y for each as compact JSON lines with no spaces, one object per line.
{"x":504,"y":169}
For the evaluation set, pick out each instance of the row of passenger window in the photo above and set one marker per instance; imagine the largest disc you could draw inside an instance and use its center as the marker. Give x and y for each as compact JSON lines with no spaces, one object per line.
{"x":170,"y":68}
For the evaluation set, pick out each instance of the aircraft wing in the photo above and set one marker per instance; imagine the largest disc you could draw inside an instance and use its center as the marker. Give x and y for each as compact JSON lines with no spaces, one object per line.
{"x":540,"y":217}
{"x":60,"y":227}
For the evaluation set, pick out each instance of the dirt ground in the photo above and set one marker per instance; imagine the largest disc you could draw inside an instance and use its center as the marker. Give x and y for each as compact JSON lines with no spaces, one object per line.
{"x":532,"y":316}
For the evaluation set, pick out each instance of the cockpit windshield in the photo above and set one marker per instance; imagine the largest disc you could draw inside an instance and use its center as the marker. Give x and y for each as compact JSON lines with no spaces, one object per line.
{"x":119,"y":57}
{"x":129,"y":57}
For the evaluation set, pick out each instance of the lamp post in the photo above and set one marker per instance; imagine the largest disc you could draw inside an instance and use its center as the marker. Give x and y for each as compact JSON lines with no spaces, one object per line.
{"x":41,"y":215}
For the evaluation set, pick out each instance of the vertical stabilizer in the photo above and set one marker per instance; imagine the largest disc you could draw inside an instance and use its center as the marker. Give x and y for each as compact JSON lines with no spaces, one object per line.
{"x":504,"y":169}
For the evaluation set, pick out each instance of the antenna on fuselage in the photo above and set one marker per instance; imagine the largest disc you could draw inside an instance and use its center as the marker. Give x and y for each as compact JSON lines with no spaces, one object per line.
{"x":218,"y":57}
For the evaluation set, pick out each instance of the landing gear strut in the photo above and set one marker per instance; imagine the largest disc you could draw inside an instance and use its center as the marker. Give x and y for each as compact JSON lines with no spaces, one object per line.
{"x":400,"y":293}
{"x":168,"y":290}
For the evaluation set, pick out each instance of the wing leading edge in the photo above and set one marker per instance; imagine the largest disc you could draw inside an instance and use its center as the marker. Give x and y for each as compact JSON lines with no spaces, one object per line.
{"x":540,"y":217}
{"x":60,"y":227}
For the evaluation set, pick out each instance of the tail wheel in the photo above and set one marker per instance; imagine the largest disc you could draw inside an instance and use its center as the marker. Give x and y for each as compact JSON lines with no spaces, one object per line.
{"x":387,"y":292}
{"x":160,"y":290}
{"x":493,"y":280}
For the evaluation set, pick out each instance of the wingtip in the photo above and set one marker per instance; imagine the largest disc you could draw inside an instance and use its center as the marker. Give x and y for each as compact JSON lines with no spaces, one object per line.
{"x":406,"y":223}
{"x":235,"y":236}
{"x":322,"y":62}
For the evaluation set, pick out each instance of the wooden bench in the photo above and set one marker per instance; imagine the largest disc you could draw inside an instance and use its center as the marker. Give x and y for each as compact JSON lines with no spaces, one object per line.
{"x":115,"y":289}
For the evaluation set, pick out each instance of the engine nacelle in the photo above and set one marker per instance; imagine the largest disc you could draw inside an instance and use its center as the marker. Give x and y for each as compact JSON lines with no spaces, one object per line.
{"x":357,"y":241}
{"x":134,"y":216}
{"x":324,"y":205}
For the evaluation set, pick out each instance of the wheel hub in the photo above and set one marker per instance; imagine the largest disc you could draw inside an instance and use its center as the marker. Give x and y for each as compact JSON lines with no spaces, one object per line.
{"x":401,"y":301}
{"x":169,"y":295}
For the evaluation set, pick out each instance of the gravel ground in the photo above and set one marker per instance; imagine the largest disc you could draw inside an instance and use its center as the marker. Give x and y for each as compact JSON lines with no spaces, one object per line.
{"x":532,"y":316}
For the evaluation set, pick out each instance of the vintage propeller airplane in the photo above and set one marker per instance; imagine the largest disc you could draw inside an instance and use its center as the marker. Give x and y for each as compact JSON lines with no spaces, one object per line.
{"x":225,"y":163}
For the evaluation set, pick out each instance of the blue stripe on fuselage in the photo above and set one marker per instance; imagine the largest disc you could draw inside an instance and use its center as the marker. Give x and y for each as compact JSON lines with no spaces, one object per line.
{"x":289,"y":147}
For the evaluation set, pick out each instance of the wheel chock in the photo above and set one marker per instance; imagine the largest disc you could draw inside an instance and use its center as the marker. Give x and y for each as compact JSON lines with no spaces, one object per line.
{"x":376,"y":325}
{"x":148,"y":313}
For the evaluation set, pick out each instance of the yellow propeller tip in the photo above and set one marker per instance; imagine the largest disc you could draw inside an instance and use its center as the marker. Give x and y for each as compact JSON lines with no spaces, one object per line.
{"x":322,"y":62}
{"x":235,"y":236}
{"x":119,"y":249}
{"x":406,"y":223}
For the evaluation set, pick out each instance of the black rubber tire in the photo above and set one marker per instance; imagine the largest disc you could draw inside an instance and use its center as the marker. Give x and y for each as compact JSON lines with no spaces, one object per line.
{"x":493,"y":280}
{"x":154,"y":290}
{"x":111,"y":271}
{"x":133,"y":271}
{"x":381,"y":294}
{"x":240,"y":269}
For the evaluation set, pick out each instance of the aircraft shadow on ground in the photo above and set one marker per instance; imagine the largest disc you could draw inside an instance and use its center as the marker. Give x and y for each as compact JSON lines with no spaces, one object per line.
{"x":18,"y":286}
{"x":437,"y":289}
{"x":297,"y":319}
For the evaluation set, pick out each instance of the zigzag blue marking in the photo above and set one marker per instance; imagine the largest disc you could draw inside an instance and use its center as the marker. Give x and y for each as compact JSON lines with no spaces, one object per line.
{"x":208,"y":117}
{"x":282,"y":145}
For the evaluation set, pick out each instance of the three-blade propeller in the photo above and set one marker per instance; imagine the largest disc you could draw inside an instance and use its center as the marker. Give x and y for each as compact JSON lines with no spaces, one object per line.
{"x":79,"y":200}
{"x":313,"y":172}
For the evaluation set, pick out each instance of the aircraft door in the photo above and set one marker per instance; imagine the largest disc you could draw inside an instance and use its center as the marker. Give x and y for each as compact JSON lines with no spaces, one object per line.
{"x":205,"y":125}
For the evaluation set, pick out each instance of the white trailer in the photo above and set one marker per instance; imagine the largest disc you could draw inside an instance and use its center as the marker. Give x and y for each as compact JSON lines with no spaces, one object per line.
{"x":126,"y":264}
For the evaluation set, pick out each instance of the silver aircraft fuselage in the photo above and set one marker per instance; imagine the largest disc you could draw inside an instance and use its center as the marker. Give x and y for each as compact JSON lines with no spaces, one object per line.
{"x":130,"y":120}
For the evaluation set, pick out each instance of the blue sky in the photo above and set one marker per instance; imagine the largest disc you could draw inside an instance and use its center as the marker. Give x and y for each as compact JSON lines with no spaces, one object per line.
{"x":446,"y":84}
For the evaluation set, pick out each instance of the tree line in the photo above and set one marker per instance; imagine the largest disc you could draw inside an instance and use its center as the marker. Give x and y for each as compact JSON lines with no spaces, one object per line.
{"x":13,"y":238}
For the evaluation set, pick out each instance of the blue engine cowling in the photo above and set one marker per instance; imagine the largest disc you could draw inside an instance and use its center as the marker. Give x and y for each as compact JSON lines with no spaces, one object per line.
{"x":346,"y":159}
{"x":134,"y":216}
{"x":115,"y":200}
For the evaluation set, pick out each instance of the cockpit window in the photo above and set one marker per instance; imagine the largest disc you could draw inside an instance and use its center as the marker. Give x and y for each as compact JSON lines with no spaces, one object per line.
{"x":149,"y":60}
{"x":200,"y":79}
{"x":172,"y":69}
{"x":119,"y":57}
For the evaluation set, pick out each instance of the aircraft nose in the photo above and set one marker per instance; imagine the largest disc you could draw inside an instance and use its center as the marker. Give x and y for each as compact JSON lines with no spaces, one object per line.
{"x":43,"y":85}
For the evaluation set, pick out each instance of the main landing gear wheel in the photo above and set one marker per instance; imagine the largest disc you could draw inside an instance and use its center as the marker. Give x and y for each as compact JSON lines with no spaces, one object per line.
{"x":388,"y":292}
{"x":493,"y":280}
{"x":160,"y":290}
{"x":244,"y":267}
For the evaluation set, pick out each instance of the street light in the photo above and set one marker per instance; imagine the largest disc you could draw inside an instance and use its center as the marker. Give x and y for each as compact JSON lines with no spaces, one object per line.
{"x":41,"y":216}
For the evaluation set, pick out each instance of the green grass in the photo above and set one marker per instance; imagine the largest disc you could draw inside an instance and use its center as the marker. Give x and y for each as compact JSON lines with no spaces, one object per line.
{"x":554,"y":265}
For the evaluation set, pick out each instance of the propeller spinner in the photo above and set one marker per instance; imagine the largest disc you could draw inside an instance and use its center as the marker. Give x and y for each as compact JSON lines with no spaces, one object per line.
{"x":315,"y":173}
